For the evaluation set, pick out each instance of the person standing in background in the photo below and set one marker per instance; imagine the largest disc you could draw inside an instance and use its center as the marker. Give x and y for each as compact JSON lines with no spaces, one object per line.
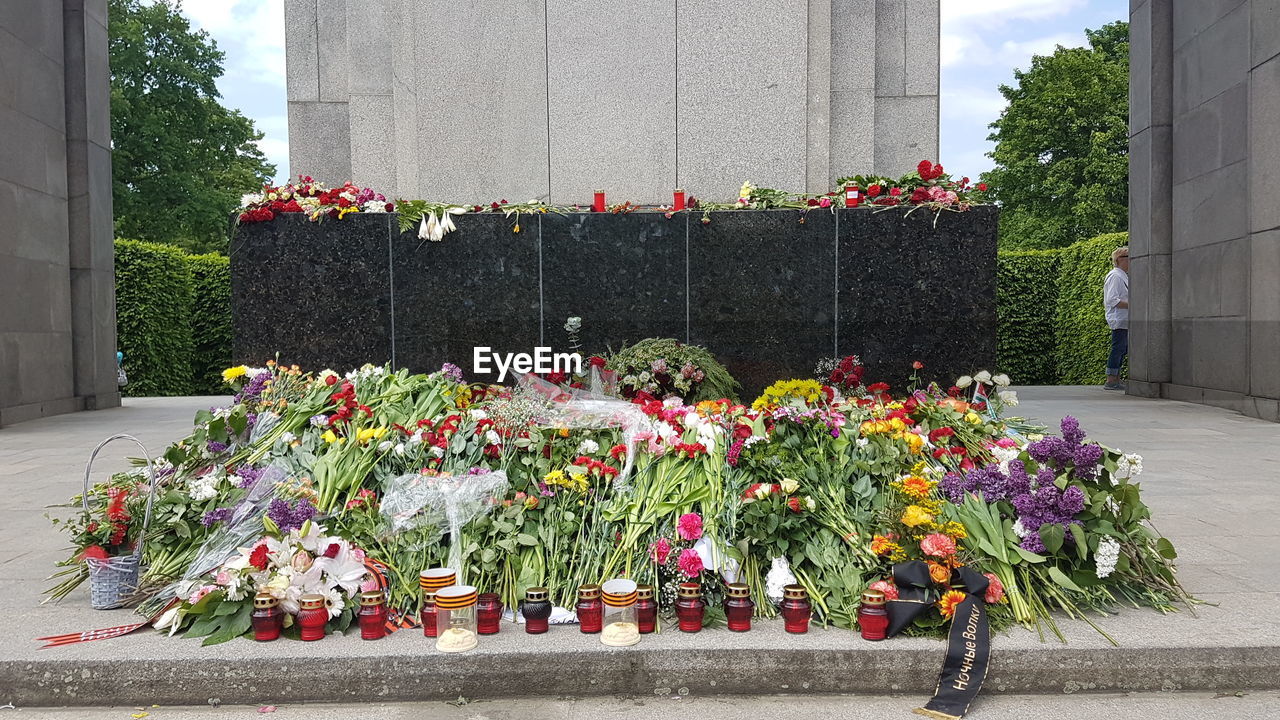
{"x":1115,"y":299}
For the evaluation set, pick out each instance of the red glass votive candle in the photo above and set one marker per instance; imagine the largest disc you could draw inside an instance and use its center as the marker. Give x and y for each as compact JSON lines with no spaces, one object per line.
{"x":873,"y":618}
{"x":590,"y":609}
{"x":646,"y":609}
{"x":267,"y":618}
{"x":488,"y":614}
{"x":373,"y":615}
{"x":852,"y":196}
{"x":796,"y":610}
{"x":312,"y":617}
{"x":431,"y":581}
{"x":598,"y":204}
{"x":677,"y":200}
{"x":689,"y":607}
{"x":738,"y":607}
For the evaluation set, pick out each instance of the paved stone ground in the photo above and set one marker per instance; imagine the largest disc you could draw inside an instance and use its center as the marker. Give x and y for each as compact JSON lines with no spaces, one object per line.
{"x":1209,"y":478}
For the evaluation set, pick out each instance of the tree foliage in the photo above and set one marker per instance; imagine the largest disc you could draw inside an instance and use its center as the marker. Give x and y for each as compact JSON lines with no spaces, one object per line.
{"x":180,"y":160}
{"x":1062,"y":145}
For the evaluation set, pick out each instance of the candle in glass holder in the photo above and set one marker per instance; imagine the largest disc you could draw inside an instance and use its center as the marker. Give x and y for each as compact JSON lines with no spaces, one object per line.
{"x":312,"y":617}
{"x":852,"y":198}
{"x":738,"y":607}
{"x":620,"y":625}
{"x":456,"y":619}
{"x":598,"y":204}
{"x":689,"y":607}
{"x":373,"y":615}
{"x":646,"y":609}
{"x":267,"y":618}
{"x":590,"y":609}
{"x":677,"y":201}
{"x":431,"y":581}
{"x":535,"y":609}
{"x":873,"y":618}
{"x":488,"y":614}
{"x":796,"y":610}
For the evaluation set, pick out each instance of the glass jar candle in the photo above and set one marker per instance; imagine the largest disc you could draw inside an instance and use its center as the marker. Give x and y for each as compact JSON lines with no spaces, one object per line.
{"x":456,"y":618}
{"x":738,"y":607}
{"x":621,"y":627}
{"x":646,"y":609}
{"x":873,"y":618}
{"x":489,"y":614}
{"x":590,"y":609}
{"x":535,"y":609}
{"x":796,"y":610}
{"x":312,"y":617}
{"x":689,"y":607}
{"x":373,"y":615}
{"x":430,"y":582}
{"x":267,"y":618}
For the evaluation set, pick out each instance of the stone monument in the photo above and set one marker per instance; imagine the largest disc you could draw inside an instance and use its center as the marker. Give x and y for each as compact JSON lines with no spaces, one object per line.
{"x":57,"y":287}
{"x":550,"y":99}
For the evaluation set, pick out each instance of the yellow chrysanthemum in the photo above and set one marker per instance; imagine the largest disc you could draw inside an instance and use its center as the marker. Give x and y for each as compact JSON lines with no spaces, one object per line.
{"x":915,"y":515}
{"x":232,"y":373}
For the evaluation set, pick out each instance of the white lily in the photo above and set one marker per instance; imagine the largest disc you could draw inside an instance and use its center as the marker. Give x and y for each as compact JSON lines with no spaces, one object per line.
{"x":446,"y":224}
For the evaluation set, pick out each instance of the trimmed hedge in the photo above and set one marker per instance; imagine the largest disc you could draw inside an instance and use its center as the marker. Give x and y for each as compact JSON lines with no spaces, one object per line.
{"x":153,"y":317}
{"x":210,"y":322}
{"x":1027,"y":315}
{"x":1051,"y":326}
{"x":1084,"y":340}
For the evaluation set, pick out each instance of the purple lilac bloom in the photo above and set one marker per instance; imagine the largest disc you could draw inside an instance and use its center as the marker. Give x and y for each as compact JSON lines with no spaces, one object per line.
{"x":956,"y":485}
{"x":215,"y":516}
{"x":1047,"y":505}
{"x":290,"y":516}
{"x":248,"y":476}
{"x":216,"y":447}
{"x":253,"y":388}
{"x":451,"y":371}
{"x":1068,"y":451}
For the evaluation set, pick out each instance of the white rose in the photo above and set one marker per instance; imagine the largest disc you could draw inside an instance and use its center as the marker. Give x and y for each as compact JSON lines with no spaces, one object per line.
{"x":1008,"y":397}
{"x":789,"y":486}
{"x":983,"y":377}
{"x":1002,"y":380}
{"x":964,"y":382}
{"x":479,"y":415}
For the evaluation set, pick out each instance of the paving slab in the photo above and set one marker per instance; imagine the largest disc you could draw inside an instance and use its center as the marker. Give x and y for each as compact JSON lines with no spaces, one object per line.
{"x":1209,"y":479}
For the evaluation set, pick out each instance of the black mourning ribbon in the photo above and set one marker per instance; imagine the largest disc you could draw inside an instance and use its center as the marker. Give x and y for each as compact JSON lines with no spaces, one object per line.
{"x":914,"y":594}
{"x":968,"y":650}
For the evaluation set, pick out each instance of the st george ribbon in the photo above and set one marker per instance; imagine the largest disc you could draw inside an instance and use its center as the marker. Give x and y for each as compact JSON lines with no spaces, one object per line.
{"x":968,"y":652}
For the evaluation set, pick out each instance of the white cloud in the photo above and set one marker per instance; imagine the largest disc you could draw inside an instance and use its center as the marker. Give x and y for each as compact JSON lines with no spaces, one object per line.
{"x":1001,"y":12}
{"x":250,"y":32}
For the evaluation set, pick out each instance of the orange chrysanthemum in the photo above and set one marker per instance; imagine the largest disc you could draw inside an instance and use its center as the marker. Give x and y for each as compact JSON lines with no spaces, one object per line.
{"x":916,"y":486}
{"x":949,"y":602}
{"x":881,"y":545}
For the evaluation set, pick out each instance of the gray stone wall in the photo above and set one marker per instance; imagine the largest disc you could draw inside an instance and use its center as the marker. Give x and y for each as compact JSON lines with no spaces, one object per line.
{"x":551,"y":99}
{"x":57,"y":329}
{"x":1204,"y":219}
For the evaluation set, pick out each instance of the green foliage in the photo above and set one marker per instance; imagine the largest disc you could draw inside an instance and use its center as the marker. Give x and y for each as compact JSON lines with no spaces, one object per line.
{"x":634,"y":367}
{"x":153,"y":317}
{"x":210,"y":322}
{"x":1083,"y":336}
{"x":180,"y":160}
{"x":1061,"y":150}
{"x":1027,"y":315}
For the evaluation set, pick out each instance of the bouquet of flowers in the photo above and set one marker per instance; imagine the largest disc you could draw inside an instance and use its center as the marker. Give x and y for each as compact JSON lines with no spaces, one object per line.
{"x":662,"y":368}
{"x":313,"y":198}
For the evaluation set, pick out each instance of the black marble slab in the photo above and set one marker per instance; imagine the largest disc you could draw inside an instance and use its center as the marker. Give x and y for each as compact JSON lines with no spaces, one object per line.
{"x":478,"y":287}
{"x":762,"y":292}
{"x":918,"y":286}
{"x":317,"y":294}
{"x":624,"y":275}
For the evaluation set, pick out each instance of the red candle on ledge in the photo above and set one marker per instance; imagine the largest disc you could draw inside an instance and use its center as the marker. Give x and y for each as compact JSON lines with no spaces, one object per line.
{"x":646,"y":609}
{"x":677,"y":202}
{"x":873,"y":618}
{"x":852,"y":198}
{"x":689,"y":607}
{"x":372,"y":615}
{"x":598,"y":205}
{"x":488,"y":614}
{"x":267,"y":618}
{"x":796,"y":609}
{"x":590,"y":609}
{"x":738,"y":607}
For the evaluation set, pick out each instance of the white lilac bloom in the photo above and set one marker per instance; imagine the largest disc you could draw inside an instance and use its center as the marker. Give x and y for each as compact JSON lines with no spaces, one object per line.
{"x":1019,"y":529}
{"x":205,"y":487}
{"x":1128,"y":466}
{"x":1106,"y":556}
{"x":250,"y":199}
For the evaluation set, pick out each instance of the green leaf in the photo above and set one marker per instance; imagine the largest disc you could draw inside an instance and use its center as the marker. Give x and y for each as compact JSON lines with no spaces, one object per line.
{"x":1061,"y":578}
{"x":1052,"y":536}
{"x":526,"y":540}
{"x":1029,"y":556}
{"x":1082,"y":546}
{"x":1165,"y":548}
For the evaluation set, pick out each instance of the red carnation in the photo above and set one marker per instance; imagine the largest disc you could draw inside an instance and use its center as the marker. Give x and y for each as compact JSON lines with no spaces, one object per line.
{"x":258,"y":558}
{"x":982,"y":187}
{"x":940,"y":433}
{"x":873,"y":190}
{"x":97,"y":552}
{"x":924,"y":169}
{"x":878,"y":387}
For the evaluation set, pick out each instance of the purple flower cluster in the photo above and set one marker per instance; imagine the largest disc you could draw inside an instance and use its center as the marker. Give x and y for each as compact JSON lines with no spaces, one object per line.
{"x":253,"y":389}
{"x":215,"y":516}
{"x":1068,"y":451}
{"x":216,"y":447}
{"x":994,"y":485}
{"x":451,"y":371}
{"x":290,"y":516}
{"x":1047,"y":505}
{"x":248,"y":475}
{"x":735,"y":452}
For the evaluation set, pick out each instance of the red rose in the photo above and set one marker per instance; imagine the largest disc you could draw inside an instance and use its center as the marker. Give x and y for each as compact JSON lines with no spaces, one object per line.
{"x":258,"y":558}
{"x":982,"y":187}
{"x":332,"y":550}
{"x":917,"y":365}
{"x":923,"y":169}
{"x":596,"y":361}
{"x":794,"y":503}
{"x":331,"y":380}
{"x":878,"y":387}
{"x":873,"y":190}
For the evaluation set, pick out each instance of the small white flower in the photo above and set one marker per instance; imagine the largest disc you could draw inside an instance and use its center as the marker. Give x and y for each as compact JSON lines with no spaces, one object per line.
{"x":1008,"y":397}
{"x":492,"y":437}
{"x":862,"y":442}
{"x":1001,"y":380}
{"x":437,"y":451}
{"x":399,"y":449}
{"x":1019,"y":529}
{"x":250,"y":199}
{"x":384,"y":446}
{"x":288,"y":438}
{"x":964,"y":382}
{"x":573,"y":324}
{"x":588,"y":446}
{"x":983,"y":377}
{"x":1107,"y":555}
{"x":479,"y":415}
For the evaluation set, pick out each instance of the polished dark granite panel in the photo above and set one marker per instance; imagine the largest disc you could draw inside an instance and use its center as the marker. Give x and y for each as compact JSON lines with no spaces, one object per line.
{"x":762,"y":292}
{"x":624,"y":275}
{"x":476,"y":287}
{"x":318,"y":294}
{"x":918,"y":286}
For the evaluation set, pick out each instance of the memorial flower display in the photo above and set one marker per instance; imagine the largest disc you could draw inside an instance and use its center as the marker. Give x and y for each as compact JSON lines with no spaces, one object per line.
{"x":317,"y":483}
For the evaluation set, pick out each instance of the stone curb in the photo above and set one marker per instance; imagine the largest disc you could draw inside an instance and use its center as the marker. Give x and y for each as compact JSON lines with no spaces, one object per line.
{"x":630,"y":672}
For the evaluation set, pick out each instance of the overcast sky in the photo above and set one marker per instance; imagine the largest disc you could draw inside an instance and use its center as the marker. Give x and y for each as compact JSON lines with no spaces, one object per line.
{"x":982,"y":42}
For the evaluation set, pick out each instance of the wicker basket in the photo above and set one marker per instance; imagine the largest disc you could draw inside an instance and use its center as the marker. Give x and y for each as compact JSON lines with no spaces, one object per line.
{"x":112,"y":580}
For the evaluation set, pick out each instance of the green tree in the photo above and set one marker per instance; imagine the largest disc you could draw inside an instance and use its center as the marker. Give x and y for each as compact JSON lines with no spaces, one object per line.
{"x":180,"y":160}
{"x":1062,"y":144}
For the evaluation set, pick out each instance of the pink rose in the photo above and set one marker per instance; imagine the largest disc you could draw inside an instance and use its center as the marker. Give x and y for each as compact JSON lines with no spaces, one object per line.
{"x":659,"y":551}
{"x":690,"y":563}
{"x":1006,"y":443}
{"x":223,"y":578}
{"x":689,"y":526}
{"x":938,"y":545}
{"x":889,"y":589}
{"x":995,"y":591}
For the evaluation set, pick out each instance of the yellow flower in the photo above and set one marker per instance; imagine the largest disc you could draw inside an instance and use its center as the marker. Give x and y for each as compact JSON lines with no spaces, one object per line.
{"x":915,"y":515}
{"x":954,"y":529}
{"x":329,"y":437}
{"x":947,"y":605}
{"x":789,"y":486}
{"x":234,"y":372}
{"x":973,"y":418}
{"x":745,"y":191}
